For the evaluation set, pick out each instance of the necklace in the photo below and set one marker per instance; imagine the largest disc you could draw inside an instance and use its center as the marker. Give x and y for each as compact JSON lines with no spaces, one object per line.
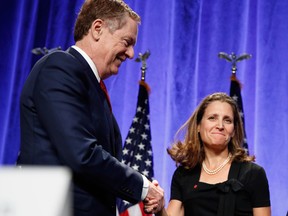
{"x":213,"y":172}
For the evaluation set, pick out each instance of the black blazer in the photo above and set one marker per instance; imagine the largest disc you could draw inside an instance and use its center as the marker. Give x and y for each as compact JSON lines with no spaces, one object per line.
{"x":66,"y":121}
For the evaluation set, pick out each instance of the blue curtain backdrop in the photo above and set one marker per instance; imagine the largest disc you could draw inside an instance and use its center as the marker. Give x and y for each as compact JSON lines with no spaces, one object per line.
{"x":184,"y":38}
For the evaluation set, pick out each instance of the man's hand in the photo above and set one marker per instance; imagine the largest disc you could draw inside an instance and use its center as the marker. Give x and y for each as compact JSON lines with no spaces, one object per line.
{"x":154,"y":200}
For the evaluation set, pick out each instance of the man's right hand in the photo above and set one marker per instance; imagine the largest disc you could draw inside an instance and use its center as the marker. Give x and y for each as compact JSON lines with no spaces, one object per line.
{"x":154,"y":200}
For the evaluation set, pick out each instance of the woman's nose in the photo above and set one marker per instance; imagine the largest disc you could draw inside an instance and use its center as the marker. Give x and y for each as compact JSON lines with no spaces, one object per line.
{"x":220,"y":124}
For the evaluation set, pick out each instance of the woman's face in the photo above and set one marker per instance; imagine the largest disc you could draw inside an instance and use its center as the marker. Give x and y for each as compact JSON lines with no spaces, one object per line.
{"x":217,"y":125}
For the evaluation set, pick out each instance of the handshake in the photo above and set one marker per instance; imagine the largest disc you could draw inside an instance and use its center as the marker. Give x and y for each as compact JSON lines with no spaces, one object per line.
{"x":154,"y":201}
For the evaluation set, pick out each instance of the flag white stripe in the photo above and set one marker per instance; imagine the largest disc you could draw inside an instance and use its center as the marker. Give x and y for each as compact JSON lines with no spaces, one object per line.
{"x":135,"y":210}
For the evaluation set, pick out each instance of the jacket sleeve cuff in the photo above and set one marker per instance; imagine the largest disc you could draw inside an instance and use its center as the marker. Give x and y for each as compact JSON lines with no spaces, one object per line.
{"x":145,"y":187}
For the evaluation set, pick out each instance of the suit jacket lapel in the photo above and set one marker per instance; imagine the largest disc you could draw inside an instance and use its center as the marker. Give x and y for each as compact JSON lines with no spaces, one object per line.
{"x":115,"y":136}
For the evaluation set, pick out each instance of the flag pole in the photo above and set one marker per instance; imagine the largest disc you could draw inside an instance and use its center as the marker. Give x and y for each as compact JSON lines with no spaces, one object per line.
{"x":235,"y":87}
{"x":143,"y":59}
{"x":137,"y":150}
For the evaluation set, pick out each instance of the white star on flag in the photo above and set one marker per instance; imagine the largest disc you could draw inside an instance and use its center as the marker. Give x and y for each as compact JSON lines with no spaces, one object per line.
{"x":138,"y":156}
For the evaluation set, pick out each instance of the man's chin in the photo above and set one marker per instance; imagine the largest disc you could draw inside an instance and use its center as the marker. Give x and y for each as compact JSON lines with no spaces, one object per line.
{"x":114,"y":72}
{"x":114,"y":69}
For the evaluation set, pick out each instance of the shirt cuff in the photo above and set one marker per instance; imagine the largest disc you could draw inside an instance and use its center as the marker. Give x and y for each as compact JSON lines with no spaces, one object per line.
{"x":145,"y":187}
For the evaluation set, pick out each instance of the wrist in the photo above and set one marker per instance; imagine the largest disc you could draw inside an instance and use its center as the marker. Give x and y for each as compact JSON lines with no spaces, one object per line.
{"x":145,"y":187}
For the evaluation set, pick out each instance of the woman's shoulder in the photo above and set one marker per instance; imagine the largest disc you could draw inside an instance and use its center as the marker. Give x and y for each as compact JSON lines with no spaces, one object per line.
{"x":186,"y":176}
{"x":185,"y":172}
{"x":250,"y":167}
{"x":251,"y":171}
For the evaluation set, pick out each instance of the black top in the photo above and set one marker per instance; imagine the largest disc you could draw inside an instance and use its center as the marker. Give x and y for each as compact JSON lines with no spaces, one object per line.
{"x":246,"y":188}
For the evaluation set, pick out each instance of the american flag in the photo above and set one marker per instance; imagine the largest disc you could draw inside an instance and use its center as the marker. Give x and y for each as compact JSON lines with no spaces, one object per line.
{"x":137,"y":149}
{"x":235,"y":93}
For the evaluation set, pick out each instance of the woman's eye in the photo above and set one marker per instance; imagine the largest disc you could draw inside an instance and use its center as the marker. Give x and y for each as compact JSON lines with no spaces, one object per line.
{"x":228,"y":121}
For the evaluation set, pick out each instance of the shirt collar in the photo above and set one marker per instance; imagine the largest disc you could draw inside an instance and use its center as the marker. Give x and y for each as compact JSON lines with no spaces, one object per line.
{"x":89,"y":61}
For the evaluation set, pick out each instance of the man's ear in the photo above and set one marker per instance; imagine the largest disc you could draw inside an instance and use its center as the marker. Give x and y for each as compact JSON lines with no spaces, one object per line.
{"x":96,"y":28}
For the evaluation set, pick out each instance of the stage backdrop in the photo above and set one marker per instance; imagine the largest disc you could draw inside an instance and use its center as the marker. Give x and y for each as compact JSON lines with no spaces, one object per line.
{"x":184,"y":38}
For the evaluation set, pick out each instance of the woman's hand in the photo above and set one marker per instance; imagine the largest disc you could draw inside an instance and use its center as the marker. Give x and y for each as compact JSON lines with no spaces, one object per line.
{"x":152,"y":206}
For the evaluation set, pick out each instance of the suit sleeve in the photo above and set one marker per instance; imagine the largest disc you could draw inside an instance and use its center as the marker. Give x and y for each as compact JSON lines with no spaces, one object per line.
{"x":63,"y":104}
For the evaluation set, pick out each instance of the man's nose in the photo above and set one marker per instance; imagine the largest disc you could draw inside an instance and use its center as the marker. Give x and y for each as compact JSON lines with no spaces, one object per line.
{"x":130,"y":52}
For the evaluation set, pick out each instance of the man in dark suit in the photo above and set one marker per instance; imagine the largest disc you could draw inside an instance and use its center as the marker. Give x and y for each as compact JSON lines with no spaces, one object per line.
{"x":66,"y":117}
